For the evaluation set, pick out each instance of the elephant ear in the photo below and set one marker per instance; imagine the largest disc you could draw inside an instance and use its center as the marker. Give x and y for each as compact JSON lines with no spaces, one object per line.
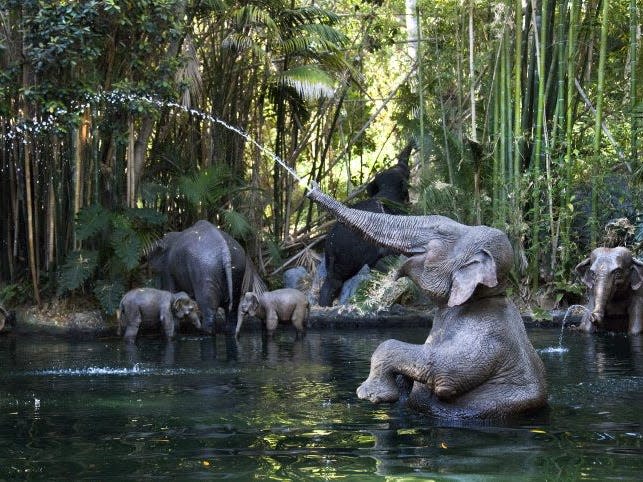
{"x":636,"y":279}
{"x":479,"y":269}
{"x":582,"y":269}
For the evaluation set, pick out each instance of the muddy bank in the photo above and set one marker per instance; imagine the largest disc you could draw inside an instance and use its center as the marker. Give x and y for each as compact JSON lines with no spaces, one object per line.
{"x":92,"y":324}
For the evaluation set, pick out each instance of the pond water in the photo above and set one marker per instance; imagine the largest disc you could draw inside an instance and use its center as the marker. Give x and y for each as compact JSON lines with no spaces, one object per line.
{"x":201,"y":408}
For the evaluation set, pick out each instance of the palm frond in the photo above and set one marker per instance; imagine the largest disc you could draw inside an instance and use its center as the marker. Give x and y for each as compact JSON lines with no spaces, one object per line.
{"x":251,"y":15}
{"x":309,"y":81}
{"x":326,"y":33}
{"x":236,"y":224}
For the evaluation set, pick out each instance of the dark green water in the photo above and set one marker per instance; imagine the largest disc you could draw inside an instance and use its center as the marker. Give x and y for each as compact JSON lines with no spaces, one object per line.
{"x":285,"y":410}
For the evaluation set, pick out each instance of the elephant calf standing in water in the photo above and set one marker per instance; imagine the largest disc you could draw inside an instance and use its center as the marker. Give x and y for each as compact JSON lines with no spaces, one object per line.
{"x":150,"y":307}
{"x":477,"y":360}
{"x":615,"y":280}
{"x":287,"y":304}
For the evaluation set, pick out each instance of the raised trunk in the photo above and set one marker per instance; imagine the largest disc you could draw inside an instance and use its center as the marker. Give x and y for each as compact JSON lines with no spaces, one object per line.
{"x":404,"y":234}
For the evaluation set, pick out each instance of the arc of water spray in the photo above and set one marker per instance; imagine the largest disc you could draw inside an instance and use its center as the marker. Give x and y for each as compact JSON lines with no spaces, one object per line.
{"x":36,"y":126}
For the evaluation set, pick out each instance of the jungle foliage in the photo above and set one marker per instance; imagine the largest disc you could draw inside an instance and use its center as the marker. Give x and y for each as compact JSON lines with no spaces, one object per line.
{"x":120,"y":120}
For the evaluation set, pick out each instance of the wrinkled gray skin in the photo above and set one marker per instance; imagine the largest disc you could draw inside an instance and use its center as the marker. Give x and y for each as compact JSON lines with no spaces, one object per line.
{"x":615,"y":282}
{"x":150,"y":307}
{"x":209,"y":265}
{"x":286,"y":304}
{"x":477,"y":361}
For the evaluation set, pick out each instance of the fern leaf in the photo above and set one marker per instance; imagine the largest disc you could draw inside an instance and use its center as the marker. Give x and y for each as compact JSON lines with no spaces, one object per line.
{"x":78,"y":268}
{"x":91,"y":221}
{"x":125,"y":243}
{"x":109,"y":295}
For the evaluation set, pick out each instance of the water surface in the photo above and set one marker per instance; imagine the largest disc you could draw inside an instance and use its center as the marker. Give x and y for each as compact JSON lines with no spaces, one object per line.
{"x":201,"y":408}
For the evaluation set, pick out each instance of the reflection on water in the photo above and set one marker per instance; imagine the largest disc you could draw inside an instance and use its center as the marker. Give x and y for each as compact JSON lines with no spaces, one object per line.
{"x":287,"y":410}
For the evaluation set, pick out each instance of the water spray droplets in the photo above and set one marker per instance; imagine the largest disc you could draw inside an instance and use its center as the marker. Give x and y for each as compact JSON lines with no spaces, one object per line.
{"x":117,"y":98}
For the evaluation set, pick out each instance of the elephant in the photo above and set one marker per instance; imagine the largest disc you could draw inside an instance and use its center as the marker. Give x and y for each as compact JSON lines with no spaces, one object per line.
{"x":615,"y":280}
{"x":286,"y":304}
{"x":209,"y":265}
{"x":345,"y":253}
{"x":7,"y":320}
{"x":477,"y":361}
{"x":149,"y":307}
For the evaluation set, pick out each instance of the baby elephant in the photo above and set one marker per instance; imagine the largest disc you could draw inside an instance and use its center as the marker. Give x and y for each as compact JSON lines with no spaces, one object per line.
{"x":149,"y":306}
{"x":287,"y":304}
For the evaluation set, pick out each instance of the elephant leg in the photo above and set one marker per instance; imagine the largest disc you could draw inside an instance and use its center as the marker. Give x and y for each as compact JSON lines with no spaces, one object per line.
{"x":329,"y":291}
{"x":390,"y":359}
{"x":272,"y":320}
{"x":132,"y":324}
{"x":635,"y":311}
{"x":167,"y":322}
{"x":208,"y":304}
{"x":299,"y":318}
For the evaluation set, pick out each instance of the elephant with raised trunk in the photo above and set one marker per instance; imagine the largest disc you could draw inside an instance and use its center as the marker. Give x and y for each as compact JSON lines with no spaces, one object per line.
{"x":345,"y":253}
{"x":209,"y":265}
{"x":615,"y":281}
{"x":477,"y":360}
{"x":150,"y":307}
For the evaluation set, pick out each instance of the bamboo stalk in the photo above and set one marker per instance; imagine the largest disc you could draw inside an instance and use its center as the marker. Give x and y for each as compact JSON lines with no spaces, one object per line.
{"x":598,"y":120}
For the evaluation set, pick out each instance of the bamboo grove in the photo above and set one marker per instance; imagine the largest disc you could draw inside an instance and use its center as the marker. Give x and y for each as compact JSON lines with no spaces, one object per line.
{"x":120,"y":120}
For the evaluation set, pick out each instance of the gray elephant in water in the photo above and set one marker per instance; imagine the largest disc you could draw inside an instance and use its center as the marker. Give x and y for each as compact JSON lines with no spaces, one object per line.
{"x":286,"y":304}
{"x":477,"y":360}
{"x":615,"y":280}
{"x":150,"y":307}
{"x":209,"y":265}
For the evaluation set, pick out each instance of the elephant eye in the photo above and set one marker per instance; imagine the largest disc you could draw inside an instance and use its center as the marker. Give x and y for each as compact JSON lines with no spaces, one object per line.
{"x":618,"y":273}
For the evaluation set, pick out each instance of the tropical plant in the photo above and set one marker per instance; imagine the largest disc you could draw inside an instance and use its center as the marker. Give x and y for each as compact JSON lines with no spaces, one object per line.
{"x":113,"y":245}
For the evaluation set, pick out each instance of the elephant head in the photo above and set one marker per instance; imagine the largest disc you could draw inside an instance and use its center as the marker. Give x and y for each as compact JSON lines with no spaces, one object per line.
{"x":249,"y":306}
{"x":449,"y":261}
{"x":607,"y":273}
{"x":185,"y":308}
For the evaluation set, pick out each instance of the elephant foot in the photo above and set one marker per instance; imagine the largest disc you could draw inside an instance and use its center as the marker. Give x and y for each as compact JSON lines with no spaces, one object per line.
{"x":379,"y":390}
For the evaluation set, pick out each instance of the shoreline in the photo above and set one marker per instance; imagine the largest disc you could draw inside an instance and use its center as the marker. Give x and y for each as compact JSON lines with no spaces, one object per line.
{"x":91,"y":324}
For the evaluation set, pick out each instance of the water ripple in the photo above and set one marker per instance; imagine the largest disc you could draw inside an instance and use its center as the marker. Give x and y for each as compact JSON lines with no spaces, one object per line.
{"x":136,"y":370}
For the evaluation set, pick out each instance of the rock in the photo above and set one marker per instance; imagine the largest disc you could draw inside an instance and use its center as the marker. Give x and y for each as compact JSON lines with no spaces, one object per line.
{"x":297,"y":278}
{"x":351,"y":285}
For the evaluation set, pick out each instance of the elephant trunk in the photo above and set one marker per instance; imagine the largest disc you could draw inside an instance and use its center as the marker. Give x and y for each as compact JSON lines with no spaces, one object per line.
{"x":403,"y":234}
{"x":602,"y":294}
{"x":240,"y":317}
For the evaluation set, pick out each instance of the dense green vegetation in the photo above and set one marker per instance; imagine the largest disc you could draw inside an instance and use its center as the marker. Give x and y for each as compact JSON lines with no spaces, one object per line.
{"x":115,"y":116}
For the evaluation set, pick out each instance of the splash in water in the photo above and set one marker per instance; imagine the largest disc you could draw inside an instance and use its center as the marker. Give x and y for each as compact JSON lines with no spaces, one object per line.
{"x":560,"y":348}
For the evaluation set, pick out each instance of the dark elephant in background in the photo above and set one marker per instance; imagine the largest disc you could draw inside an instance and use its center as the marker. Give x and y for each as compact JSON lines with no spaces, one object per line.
{"x":209,"y":265}
{"x":477,"y":361}
{"x":615,"y":282}
{"x":345,"y":253}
